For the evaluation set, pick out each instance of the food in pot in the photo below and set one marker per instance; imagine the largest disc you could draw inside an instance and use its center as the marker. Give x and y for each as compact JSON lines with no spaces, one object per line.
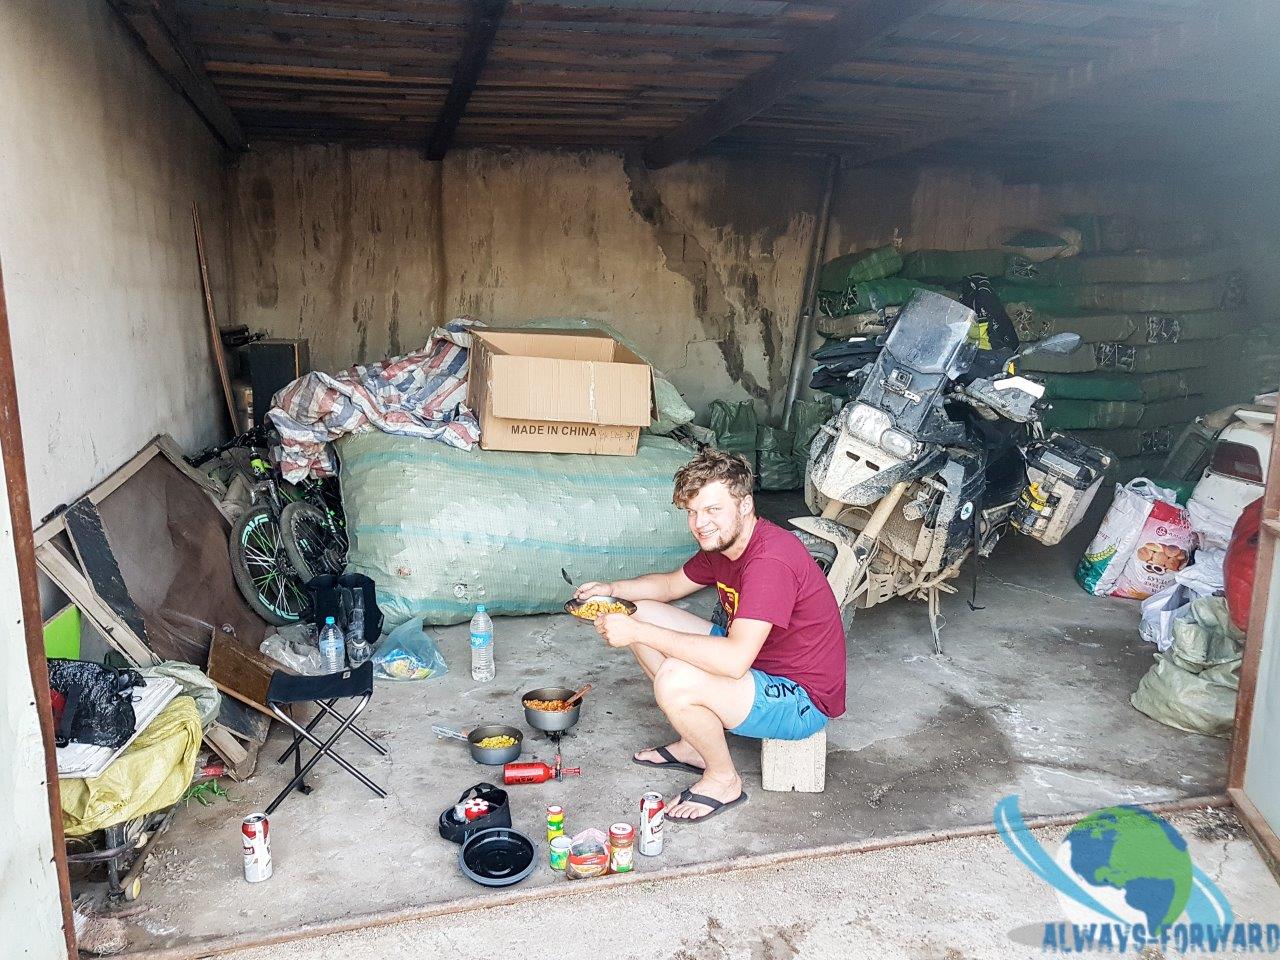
{"x":497,"y":743}
{"x":597,"y":608}
{"x":551,"y":706}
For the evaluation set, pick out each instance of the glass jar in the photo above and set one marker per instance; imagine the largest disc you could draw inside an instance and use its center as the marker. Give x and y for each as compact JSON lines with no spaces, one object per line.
{"x":622,"y":842}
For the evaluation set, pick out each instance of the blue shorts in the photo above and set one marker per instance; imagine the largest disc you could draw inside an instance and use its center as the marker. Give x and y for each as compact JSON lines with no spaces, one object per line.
{"x":781,"y":710}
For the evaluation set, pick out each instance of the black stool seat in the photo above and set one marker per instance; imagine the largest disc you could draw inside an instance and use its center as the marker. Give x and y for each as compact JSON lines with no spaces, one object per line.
{"x":324,"y":691}
{"x":293,"y":688}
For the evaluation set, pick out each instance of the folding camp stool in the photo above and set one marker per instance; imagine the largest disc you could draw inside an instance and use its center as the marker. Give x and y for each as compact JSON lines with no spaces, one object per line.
{"x":324,"y":691}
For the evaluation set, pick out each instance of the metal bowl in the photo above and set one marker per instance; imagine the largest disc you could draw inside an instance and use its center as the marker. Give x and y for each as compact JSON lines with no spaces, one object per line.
{"x":573,"y":606}
{"x":551,"y":721}
{"x":495,"y":756}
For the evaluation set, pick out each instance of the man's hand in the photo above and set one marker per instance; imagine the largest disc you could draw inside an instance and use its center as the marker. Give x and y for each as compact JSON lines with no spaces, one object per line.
{"x":594,"y":589}
{"x":618,"y":629}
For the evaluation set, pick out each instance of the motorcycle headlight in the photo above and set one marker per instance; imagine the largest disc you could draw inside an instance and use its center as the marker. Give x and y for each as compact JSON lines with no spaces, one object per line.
{"x":868,"y":424}
{"x":898,"y":444}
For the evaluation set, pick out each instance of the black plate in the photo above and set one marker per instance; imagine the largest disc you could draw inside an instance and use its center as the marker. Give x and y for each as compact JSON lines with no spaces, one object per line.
{"x":497,"y":857}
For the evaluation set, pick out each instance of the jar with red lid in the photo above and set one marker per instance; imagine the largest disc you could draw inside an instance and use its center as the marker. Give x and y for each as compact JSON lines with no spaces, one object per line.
{"x":622,"y":842}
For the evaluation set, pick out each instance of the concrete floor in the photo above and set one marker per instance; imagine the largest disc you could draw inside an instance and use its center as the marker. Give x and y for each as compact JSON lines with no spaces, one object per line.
{"x":1031,"y":697}
{"x":953,"y":900}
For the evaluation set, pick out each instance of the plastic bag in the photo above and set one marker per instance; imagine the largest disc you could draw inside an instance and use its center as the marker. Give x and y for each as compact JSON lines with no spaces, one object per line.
{"x":98,"y":705}
{"x":193,"y":682}
{"x":778,"y":469}
{"x":734,"y":425}
{"x":1158,"y":613}
{"x":408,"y":653}
{"x":1193,"y":686}
{"x":1145,"y":538}
{"x":588,"y":855}
{"x":295,"y":647}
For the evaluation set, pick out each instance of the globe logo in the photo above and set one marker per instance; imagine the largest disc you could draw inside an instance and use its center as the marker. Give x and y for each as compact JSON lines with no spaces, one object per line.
{"x":1123,"y":868}
{"x":1132,"y":862}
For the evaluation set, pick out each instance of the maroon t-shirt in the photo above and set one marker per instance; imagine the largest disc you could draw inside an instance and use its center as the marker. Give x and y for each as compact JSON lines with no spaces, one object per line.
{"x":775,"y":580}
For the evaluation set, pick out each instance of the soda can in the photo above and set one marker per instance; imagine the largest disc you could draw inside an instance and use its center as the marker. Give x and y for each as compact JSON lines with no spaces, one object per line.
{"x":651,"y":818}
{"x":256,"y":840}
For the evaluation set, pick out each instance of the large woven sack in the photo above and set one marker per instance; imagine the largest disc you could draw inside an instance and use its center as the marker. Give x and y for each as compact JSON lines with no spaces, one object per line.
{"x":440,"y":530}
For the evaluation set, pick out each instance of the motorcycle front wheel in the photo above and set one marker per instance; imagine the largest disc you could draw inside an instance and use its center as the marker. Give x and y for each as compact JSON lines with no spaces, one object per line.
{"x":822,"y":551}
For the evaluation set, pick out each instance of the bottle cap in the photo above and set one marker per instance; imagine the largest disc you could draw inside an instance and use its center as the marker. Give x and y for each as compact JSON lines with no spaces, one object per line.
{"x":622,"y":831}
{"x":480,"y":608}
{"x":328,"y":621}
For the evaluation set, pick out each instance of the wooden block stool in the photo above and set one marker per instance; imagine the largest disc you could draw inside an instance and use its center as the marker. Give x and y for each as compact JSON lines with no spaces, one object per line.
{"x":799,"y":765}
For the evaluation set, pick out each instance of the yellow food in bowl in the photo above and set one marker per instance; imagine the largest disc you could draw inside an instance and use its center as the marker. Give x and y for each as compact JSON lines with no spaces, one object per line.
{"x":496,"y":743}
{"x":595,"y":608}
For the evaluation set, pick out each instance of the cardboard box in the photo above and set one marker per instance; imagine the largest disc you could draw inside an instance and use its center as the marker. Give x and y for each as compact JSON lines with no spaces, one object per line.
{"x":558,"y":391}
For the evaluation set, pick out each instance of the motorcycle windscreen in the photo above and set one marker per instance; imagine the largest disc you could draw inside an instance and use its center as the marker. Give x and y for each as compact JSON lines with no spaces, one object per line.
{"x":930,"y":333}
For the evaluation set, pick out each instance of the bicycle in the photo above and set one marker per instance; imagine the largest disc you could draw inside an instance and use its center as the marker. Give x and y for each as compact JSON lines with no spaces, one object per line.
{"x":289,"y":533}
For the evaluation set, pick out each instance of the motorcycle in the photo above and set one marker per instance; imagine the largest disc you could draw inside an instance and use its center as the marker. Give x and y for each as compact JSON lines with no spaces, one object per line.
{"x":939,"y":454}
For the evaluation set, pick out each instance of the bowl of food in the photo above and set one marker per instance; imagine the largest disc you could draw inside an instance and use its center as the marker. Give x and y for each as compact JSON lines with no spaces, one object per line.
{"x":492,"y":744}
{"x":544,"y":709}
{"x":588,"y":608}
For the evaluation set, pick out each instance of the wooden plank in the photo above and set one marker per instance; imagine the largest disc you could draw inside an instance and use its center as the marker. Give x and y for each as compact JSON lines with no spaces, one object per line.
{"x":1168,"y":43}
{"x":162,"y":35}
{"x":64,"y":573}
{"x":215,"y":332}
{"x":486,"y":17}
{"x":54,"y":523}
{"x":856,"y":29}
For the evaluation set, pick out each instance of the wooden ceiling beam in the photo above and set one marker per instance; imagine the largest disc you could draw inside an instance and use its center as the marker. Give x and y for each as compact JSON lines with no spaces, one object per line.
{"x":1169,"y":43}
{"x":161,"y":32}
{"x":486,"y":15}
{"x":855,"y":30}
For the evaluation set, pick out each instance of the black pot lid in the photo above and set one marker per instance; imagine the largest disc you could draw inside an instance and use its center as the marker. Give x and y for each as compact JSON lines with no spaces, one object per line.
{"x":497,"y":857}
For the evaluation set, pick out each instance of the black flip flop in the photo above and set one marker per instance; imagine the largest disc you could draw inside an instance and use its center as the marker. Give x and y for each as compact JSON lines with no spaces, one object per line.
{"x":717,"y":806}
{"x":669,"y":762}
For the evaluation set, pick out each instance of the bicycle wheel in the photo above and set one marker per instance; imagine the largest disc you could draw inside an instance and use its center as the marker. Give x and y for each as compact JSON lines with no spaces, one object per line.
{"x":262,"y":570}
{"x":312,"y":544}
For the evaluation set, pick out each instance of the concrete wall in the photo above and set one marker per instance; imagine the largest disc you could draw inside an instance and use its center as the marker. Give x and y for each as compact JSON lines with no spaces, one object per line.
{"x":100,"y":161}
{"x":700,"y":265}
{"x":30,"y":912}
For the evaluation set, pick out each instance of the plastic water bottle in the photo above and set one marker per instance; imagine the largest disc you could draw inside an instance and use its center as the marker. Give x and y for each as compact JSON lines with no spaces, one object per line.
{"x":332,"y":647}
{"x":358,"y":648}
{"x":482,"y":669}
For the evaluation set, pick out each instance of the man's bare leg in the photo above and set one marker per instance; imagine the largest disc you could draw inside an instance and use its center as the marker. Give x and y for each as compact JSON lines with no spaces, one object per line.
{"x":701,"y":706}
{"x":651,"y":661}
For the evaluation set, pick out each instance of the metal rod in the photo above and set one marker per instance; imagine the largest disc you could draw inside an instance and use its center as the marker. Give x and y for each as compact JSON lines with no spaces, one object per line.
{"x":809,"y":298}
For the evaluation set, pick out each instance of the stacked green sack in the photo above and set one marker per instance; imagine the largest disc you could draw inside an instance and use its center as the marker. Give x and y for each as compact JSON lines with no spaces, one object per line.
{"x":1129,"y":328}
{"x":1135,"y":416}
{"x":1129,"y":268}
{"x":951,"y":266}
{"x":1119,"y":357}
{"x":863,"y":282}
{"x":1121,"y":297}
{"x":777,"y":456}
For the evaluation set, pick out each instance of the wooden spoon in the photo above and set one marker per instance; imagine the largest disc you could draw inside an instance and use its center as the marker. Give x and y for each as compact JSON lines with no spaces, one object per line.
{"x":578,"y":695}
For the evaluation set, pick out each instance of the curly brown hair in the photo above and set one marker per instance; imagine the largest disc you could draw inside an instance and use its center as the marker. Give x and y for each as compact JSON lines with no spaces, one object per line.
{"x":711,"y":465}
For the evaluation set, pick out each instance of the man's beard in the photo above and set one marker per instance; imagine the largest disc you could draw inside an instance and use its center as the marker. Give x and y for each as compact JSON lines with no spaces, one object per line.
{"x":727,"y":540}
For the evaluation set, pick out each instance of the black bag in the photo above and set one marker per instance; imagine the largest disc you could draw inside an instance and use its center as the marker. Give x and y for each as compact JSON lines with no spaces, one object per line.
{"x":499,"y":814}
{"x":99,"y":702}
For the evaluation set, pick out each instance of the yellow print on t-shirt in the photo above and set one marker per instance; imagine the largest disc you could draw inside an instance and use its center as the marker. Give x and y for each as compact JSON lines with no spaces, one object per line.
{"x":728,"y":599}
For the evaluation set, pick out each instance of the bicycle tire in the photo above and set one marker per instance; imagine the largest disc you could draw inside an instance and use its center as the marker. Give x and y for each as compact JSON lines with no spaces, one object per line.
{"x":262,"y":571}
{"x":308,"y":542}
